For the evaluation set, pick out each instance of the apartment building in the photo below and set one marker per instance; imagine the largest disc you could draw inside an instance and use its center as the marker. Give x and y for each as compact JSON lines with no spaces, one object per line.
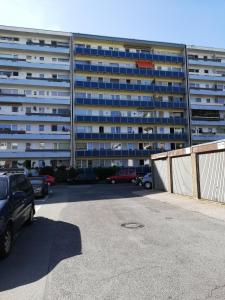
{"x":89,"y":101}
{"x":206,"y":68}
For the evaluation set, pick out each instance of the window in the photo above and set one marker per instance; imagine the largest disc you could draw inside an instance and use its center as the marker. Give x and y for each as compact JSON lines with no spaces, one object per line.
{"x":206,"y":71}
{"x":41,"y":109}
{"x":15,"y":73}
{"x":42,"y":75}
{"x":14,"y":146}
{"x":41,"y":127}
{"x":54,"y":59}
{"x":41,"y":42}
{"x":129,"y":130}
{"x":29,"y":74}
{"x":54,"y":127}
{"x":207,"y":100}
{"x":42,"y":58}
{"x":42,"y":145}
{"x":41,"y":93}
{"x":28,"y":146}
{"x":15,"y":109}
{"x":198,"y":100}
{"x":28,"y":110}
{"x":14,"y":127}
{"x":54,"y":76}
{"x":28,"y":127}
{"x":28,"y":92}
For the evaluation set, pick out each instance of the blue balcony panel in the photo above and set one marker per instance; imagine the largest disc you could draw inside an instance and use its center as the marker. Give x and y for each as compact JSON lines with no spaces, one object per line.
{"x":208,"y":92}
{"x":34,"y":82}
{"x":208,"y":123}
{"x":129,"y":71}
{"x":130,"y":87}
{"x":34,"y":48}
{"x":131,"y":103}
{"x":24,"y":64}
{"x":130,"y":137}
{"x":208,"y":107}
{"x":34,"y":154}
{"x":205,"y":63}
{"x":131,"y":120}
{"x":33,"y":118}
{"x":34,"y":136}
{"x":116,"y":153}
{"x":34,"y":100}
{"x":130,"y":55}
{"x":207,"y":78}
{"x":205,"y":137}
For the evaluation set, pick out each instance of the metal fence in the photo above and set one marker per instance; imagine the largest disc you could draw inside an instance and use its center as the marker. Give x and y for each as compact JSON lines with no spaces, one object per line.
{"x":198,"y":171}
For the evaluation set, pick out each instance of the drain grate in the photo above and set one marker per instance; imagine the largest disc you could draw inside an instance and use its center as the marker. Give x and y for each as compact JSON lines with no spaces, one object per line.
{"x":132,"y":225}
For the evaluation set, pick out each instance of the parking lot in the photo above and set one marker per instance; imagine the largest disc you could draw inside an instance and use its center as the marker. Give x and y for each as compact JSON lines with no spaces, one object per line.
{"x":111,"y":242}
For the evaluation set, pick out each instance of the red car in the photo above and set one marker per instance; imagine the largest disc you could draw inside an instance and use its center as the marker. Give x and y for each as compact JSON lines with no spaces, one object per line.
{"x":50,"y":180}
{"x":123,"y":176}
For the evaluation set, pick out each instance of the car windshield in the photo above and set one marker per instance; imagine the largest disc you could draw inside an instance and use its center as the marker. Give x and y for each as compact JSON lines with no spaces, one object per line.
{"x":3,"y":188}
{"x":36,"y":181}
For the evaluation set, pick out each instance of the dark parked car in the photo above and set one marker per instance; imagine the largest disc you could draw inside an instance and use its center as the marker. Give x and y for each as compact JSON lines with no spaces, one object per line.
{"x":82,"y":179}
{"x":40,"y":186}
{"x":16,"y":207}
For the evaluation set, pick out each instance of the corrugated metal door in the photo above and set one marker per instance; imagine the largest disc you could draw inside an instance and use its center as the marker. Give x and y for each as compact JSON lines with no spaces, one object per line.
{"x":212,"y":176}
{"x":182,"y":175}
{"x":160,"y":174}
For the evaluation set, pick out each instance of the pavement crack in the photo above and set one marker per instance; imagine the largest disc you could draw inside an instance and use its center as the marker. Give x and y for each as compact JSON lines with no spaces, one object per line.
{"x":126,"y":272}
{"x":217,"y":287}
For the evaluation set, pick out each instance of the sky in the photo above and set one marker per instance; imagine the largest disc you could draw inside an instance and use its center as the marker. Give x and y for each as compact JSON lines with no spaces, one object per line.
{"x":193,"y":22}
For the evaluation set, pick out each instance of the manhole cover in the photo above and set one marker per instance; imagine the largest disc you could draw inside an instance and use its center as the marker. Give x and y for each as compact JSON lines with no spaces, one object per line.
{"x":132,"y":225}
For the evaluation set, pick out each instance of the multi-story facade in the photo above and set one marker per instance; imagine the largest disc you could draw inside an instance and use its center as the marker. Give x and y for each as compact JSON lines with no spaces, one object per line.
{"x":88,"y":101}
{"x":206,"y":68}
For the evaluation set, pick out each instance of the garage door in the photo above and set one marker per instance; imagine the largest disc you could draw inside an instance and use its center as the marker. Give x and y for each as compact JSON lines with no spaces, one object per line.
{"x":182,"y":175}
{"x":212,"y":176}
{"x":160,"y":174}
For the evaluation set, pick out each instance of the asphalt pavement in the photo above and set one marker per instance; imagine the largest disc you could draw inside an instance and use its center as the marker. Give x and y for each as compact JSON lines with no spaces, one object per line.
{"x":111,"y":242}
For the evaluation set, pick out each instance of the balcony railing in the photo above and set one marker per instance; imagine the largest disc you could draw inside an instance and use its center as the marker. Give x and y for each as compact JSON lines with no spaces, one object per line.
{"x":131,"y":120}
{"x":130,"y":55}
{"x":129,"y":71}
{"x":130,"y":87}
{"x":131,"y":103}
{"x":131,"y":136}
{"x":117,"y":153}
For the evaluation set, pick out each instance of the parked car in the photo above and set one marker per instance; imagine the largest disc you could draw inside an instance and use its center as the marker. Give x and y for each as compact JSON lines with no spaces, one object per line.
{"x":123,"y":176}
{"x":16,"y":207}
{"x":147,"y":181}
{"x":50,"y":180}
{"x":82,"y":179}
{"x":40,"y":186}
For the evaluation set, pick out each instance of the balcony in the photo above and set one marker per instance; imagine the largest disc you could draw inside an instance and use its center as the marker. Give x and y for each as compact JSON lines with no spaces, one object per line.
{"x":131,"y":103}
{"x":206,"y":63}
{"x":207,"y":137}
{"x":116,"y":153}
{"x":217,"y":107}
{"x":207,"y":77}
{"x":22,"y":63}
{"x":131,"y":120}
{"x":130,"y":87}
{"x":208,"y":122}
{"x":131,"y":136}
{"x":34,"y":48}
{"x":36,"y":81}
{"x":18,"y":98}
{"x":207,"y":91}
{"x":34,"y":118}
{"x":33,"y":136}
{"x":129,"y":55}
{"x":129,"y":71}
{"x":34,"y":154}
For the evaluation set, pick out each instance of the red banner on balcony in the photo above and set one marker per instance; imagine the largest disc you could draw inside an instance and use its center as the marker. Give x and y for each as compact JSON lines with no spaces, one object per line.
{"x":145,"y":64}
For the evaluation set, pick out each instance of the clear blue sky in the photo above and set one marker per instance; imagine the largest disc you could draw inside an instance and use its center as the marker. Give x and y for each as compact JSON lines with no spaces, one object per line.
{"x":195,"y":22}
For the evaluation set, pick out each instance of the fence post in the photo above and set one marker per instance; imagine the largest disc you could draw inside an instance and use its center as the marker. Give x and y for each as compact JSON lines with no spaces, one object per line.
{"x":169,"y":174}
{"x":195,"y":176}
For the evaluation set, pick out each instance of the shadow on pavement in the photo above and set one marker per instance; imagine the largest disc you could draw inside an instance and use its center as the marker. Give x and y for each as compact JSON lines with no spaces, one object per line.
{"x":38,"y":250}
{"x":92,"y":192}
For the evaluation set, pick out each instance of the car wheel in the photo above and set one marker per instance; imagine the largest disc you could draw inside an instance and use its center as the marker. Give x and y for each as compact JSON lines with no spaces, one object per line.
{"x":113,"y":181}
{"x":148,"y":185}
{"x":6,"y":242}
{"x":140,"y":183}
{"x":31,"y":216}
